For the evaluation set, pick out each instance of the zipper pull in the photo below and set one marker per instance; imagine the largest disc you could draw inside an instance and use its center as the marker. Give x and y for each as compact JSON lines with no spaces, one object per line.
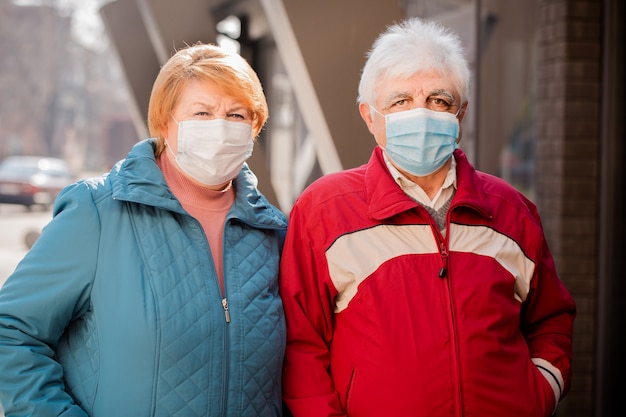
{"x":226,"y":313}
{"x":444,"y":262}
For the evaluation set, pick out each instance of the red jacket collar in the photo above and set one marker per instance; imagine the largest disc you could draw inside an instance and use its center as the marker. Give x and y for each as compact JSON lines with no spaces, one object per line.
{"x":386,"y":198}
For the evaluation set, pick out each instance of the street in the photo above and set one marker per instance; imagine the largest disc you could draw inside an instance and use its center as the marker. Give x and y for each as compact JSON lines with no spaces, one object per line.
{"x":17,"y":225}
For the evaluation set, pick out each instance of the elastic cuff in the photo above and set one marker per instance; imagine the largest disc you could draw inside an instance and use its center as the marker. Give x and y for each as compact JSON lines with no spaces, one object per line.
{"x":553,"y":375}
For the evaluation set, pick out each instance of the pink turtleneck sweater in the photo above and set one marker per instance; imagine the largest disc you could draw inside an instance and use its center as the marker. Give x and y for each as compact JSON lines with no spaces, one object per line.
{"x":207,"y":206}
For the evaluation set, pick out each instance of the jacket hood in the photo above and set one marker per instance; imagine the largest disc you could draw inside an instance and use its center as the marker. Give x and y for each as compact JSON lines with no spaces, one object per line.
{"x":138,"y":179}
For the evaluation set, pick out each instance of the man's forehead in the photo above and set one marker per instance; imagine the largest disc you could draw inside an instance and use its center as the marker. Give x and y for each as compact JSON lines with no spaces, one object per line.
{"x":417,"y":92}
{"x":419,"y":78}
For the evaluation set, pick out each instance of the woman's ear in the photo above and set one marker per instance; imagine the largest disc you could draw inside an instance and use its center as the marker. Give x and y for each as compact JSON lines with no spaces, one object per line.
{"x":163,"y":130}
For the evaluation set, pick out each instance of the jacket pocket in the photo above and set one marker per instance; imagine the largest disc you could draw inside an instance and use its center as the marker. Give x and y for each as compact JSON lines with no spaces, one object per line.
{"x":349,"y":390}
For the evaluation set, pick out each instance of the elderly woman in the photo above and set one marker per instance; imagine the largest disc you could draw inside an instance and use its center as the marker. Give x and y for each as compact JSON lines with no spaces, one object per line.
{"x":153,"y":290}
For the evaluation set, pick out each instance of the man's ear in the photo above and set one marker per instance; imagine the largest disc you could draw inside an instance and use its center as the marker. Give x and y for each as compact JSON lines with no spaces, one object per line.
{"x":366,"y":115}
{"x":461,"y":115}
{"x":463,"y":111}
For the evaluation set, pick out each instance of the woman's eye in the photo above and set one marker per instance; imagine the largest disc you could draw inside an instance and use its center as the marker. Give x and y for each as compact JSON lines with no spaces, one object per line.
{"x":236,"y":116}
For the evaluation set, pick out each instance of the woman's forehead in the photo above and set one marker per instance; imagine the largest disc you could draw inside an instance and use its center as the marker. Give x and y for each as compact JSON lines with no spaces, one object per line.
{"x":199,"y":92}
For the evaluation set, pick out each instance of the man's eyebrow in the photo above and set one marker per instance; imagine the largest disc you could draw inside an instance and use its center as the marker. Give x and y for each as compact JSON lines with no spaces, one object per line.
{"x":399,"y":95}
{"x":442,"y":92}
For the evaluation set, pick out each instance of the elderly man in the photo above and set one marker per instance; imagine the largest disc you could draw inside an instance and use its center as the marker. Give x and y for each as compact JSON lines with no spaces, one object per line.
{"x":415,"y":285}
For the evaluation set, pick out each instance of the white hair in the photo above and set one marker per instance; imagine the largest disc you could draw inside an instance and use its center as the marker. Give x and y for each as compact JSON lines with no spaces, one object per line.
{"x":413,"y":46}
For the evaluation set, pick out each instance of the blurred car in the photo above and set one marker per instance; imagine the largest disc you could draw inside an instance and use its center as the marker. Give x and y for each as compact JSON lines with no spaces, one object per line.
{"x":32,"y":180}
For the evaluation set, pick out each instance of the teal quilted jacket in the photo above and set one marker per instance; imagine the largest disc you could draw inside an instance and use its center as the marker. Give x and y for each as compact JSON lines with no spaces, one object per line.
{"x":116,"y":309}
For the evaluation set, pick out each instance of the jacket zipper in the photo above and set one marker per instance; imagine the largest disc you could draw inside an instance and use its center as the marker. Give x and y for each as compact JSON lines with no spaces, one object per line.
{"x":224,"y":301}
{"x":443,"y":274}
{"x":443,"y":271}
{"x":226,"y":313}
{"x":226,"y":360}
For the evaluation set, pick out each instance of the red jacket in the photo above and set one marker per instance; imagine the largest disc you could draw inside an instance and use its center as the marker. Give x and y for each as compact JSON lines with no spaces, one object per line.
{"x":386,"y":317}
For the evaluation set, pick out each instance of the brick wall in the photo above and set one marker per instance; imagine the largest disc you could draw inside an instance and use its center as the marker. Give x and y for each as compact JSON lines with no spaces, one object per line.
{"x":567,"y":163}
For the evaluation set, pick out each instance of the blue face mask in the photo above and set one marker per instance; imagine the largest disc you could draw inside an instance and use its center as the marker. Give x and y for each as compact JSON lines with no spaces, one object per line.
{"x":420,"y":141}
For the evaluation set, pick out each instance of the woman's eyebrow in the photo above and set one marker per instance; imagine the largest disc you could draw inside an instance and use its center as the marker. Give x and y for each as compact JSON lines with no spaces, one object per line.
{"x":238,"y":107}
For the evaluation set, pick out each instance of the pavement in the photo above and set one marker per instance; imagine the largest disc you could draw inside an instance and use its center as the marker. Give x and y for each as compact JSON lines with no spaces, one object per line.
{"x":9,"y":258}
{"x":18,"y":229}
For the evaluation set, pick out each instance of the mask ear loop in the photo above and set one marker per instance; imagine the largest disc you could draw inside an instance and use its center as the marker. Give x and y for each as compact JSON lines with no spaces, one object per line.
{"x":458,"y":111}
{"x":384,"y":117}
{"x":376,"y":110}
{"x":169,"y":148}
{"x":167,"y":145}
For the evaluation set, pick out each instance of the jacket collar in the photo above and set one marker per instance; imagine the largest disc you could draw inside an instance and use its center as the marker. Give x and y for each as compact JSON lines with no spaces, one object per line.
{"x":250,"y":206}
{"x":386,"y":198}
{"x":138,"y":179}
{"x":470,"y":187}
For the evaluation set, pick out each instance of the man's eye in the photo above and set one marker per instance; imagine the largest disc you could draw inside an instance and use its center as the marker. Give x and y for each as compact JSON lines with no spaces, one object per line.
{"x":399,"y":105}
{"x":439,"y":104}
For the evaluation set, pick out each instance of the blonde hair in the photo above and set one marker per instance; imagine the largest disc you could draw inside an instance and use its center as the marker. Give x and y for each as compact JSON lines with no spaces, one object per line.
{"x":204,"y":62}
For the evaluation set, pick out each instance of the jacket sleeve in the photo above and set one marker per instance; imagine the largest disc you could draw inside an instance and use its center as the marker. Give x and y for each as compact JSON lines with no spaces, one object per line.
{"x":49,"y":288}
{"x":547,"y":323}
{"x":308,"y":300}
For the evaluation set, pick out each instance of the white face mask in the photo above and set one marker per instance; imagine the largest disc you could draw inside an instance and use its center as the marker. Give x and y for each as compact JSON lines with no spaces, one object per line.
{"x":213,"y":151}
